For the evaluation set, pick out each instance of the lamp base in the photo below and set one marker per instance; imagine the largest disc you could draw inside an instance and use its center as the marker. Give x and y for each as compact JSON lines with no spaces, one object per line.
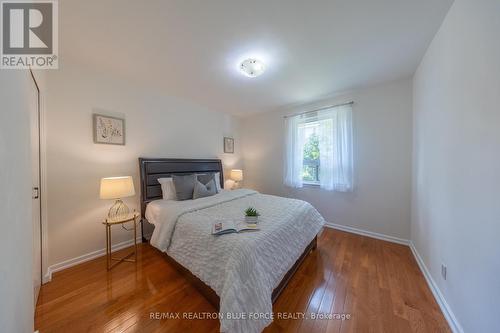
{"x":118,"y":211}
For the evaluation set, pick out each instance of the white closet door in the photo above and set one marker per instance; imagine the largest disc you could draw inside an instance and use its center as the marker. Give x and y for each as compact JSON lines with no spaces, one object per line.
{"x":35,"y":175}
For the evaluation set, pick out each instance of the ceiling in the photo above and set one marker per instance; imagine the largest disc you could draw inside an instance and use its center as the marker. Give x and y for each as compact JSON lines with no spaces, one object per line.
{"x":191,"y":49}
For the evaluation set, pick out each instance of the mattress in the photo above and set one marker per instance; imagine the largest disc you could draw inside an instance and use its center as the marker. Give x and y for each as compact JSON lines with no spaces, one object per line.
{"x":244,"y":268}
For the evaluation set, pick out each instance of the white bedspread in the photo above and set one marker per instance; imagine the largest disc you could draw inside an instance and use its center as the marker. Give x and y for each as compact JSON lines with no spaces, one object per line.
{"x":243,"y":269}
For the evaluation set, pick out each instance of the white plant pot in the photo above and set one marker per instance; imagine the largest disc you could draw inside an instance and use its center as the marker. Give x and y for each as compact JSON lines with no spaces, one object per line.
{"x":251,"y":219}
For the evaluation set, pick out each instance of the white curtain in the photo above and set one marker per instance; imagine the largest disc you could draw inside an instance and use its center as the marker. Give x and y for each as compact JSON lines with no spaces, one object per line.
{"x":336,"y":160}
{"x":335,"y":148}
{"x":294,"y":153}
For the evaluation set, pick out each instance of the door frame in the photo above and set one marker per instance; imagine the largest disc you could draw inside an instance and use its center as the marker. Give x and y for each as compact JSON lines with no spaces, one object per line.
{"x":40,"y":84}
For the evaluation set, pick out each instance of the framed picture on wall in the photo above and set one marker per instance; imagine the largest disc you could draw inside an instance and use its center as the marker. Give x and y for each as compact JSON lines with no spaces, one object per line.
{"x":108,"y":130}
{"x":229,"y":145}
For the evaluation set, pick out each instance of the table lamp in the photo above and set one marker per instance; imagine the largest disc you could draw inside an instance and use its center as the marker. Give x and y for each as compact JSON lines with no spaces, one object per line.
{"x":117,"y":188}
{"x":237,"y":176}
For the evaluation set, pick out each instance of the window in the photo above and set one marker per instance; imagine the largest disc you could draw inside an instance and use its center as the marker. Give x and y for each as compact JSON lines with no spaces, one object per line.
{"x":319,"y":149}
{"x":310,"y":170}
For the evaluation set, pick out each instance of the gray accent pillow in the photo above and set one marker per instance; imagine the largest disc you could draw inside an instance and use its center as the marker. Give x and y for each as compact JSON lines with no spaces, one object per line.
{"x":204,"y":178}
{"x":184,"y":186}
{"x":201,"y":190}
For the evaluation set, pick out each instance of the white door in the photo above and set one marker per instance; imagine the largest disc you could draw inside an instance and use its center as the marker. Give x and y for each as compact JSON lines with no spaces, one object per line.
{"x":34,"y":104}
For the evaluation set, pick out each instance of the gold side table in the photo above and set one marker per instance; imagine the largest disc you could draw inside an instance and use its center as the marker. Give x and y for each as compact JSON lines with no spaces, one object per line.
{"x":134,"y":216}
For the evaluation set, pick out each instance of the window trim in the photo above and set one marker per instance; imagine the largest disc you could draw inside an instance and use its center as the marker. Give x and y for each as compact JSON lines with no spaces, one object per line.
{"x":311,"y":183}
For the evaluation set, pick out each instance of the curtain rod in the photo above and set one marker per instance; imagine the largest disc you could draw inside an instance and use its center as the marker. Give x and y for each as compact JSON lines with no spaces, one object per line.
{"x":316,"y":110}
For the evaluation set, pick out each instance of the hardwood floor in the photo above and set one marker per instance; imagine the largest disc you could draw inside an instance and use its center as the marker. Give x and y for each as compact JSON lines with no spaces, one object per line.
{"x":378,"y":284}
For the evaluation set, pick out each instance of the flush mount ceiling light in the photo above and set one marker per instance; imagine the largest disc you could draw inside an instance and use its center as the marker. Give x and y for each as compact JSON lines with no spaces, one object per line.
{"x":252,"y":67}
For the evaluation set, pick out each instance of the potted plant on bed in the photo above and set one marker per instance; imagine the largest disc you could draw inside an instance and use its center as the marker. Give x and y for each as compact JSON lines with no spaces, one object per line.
{"x":251,"y":215}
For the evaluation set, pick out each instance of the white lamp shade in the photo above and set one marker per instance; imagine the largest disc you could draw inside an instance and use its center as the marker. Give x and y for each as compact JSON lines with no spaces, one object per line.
{"x":117,"y":187}
{"x":237,"y":175}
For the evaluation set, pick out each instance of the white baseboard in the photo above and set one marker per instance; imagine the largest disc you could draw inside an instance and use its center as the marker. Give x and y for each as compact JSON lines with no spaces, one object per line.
{"x":366,"y":233}
{"x":86,"y":257}
{"x":445,"y":308}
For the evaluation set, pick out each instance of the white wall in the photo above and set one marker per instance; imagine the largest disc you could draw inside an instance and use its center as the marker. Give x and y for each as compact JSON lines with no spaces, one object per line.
{"x":456,"y":179}
{"x":382,"y":156}
{"x":16,"y":238}
{"x":156,"y":126}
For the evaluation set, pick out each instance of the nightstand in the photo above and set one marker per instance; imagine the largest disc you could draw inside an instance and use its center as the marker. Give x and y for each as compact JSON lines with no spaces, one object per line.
{"x":132,"y":217}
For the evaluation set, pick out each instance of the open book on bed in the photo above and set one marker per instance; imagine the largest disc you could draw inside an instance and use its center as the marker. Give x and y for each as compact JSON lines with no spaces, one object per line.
{"x":228,"y":227}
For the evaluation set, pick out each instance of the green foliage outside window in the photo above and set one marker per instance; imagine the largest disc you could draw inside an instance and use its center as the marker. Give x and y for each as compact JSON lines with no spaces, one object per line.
{"x":311,"y":148}
{"x":311,"y":159}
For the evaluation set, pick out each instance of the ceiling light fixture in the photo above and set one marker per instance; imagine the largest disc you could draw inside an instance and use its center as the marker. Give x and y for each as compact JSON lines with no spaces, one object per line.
{"x":252,"y":67}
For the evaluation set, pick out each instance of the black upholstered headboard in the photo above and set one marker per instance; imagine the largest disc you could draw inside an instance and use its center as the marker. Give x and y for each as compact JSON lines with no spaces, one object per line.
{"x":153,"y":168}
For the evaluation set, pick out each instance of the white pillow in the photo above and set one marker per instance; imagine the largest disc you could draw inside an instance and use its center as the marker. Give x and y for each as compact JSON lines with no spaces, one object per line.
{"x":217,"y":180}
{"x":167,"y":188}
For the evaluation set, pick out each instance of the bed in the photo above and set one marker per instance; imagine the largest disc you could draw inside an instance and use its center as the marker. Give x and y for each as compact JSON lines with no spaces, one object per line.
{"x":240,"y":274}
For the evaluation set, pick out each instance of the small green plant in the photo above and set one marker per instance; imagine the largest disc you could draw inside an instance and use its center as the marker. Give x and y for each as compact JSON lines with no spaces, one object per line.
{"x":250,"y":211}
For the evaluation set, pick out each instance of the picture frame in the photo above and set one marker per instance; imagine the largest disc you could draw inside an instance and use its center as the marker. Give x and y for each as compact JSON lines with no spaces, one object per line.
{"x":228,"y":145}
{"x":108,"y":130}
